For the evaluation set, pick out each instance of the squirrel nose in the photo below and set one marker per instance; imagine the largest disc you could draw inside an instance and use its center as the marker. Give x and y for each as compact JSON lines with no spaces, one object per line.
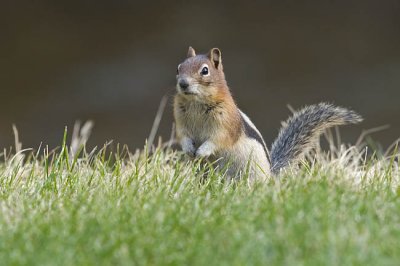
{"x":183,"y":83}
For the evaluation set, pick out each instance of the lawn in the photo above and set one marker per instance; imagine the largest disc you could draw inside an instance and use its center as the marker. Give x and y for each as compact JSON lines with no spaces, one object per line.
{"x":126,"y":208}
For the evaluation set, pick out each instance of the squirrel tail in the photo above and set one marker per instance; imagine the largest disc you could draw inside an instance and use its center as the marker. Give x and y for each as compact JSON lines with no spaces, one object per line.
{"x":302,"y":130}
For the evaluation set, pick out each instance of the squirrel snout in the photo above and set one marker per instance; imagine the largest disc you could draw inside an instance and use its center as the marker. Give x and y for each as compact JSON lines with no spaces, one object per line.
{"x":183,"y":84}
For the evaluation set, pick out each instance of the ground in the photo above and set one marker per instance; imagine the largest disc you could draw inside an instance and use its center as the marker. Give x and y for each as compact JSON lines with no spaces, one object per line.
{"x":164,"y":209}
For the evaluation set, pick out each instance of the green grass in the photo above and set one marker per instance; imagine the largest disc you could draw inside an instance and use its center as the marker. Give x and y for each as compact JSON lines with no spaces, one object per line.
{"x":133,"y":209}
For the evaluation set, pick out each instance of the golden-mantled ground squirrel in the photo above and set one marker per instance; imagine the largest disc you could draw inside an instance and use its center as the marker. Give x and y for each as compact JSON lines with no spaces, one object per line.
{"x":209,"y":124}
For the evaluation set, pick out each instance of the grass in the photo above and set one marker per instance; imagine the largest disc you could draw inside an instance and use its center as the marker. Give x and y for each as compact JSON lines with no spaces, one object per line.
{"x":120,"y":208}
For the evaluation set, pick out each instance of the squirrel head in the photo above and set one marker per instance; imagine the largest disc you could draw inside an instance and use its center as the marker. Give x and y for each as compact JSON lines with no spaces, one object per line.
{"x":200,"y":76}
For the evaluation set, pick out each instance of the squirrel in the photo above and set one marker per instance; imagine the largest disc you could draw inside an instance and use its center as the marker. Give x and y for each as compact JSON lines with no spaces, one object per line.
{"x":210,"y":125}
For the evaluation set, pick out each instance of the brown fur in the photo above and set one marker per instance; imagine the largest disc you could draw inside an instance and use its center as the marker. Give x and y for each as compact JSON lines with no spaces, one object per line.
{"x":209,"y":124}
{"x":214,"y":107}
{"x":219,"y":109}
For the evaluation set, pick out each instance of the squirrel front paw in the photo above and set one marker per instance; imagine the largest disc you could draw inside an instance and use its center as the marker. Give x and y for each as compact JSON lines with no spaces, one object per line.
{"x":188,"y":147}
{"x":206,"y":149}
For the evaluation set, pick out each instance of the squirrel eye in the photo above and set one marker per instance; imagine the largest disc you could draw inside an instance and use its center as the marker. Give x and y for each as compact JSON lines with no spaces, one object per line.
{"x":204,"y":71}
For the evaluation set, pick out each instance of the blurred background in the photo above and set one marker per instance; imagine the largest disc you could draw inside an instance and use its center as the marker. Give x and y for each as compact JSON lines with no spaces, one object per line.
{"x":112,"y":62}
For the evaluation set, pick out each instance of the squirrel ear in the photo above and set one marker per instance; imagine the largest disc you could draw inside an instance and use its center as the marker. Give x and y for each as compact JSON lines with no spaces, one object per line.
{"x":215,"y":56}
{"x":191,"y":52}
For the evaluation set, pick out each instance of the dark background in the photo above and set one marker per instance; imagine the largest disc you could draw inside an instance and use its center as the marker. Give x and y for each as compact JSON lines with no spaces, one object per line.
{"x":112,"y":61}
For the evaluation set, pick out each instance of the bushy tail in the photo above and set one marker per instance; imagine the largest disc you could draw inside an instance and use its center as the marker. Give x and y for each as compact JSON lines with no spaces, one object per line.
{"x":302,"y":130}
